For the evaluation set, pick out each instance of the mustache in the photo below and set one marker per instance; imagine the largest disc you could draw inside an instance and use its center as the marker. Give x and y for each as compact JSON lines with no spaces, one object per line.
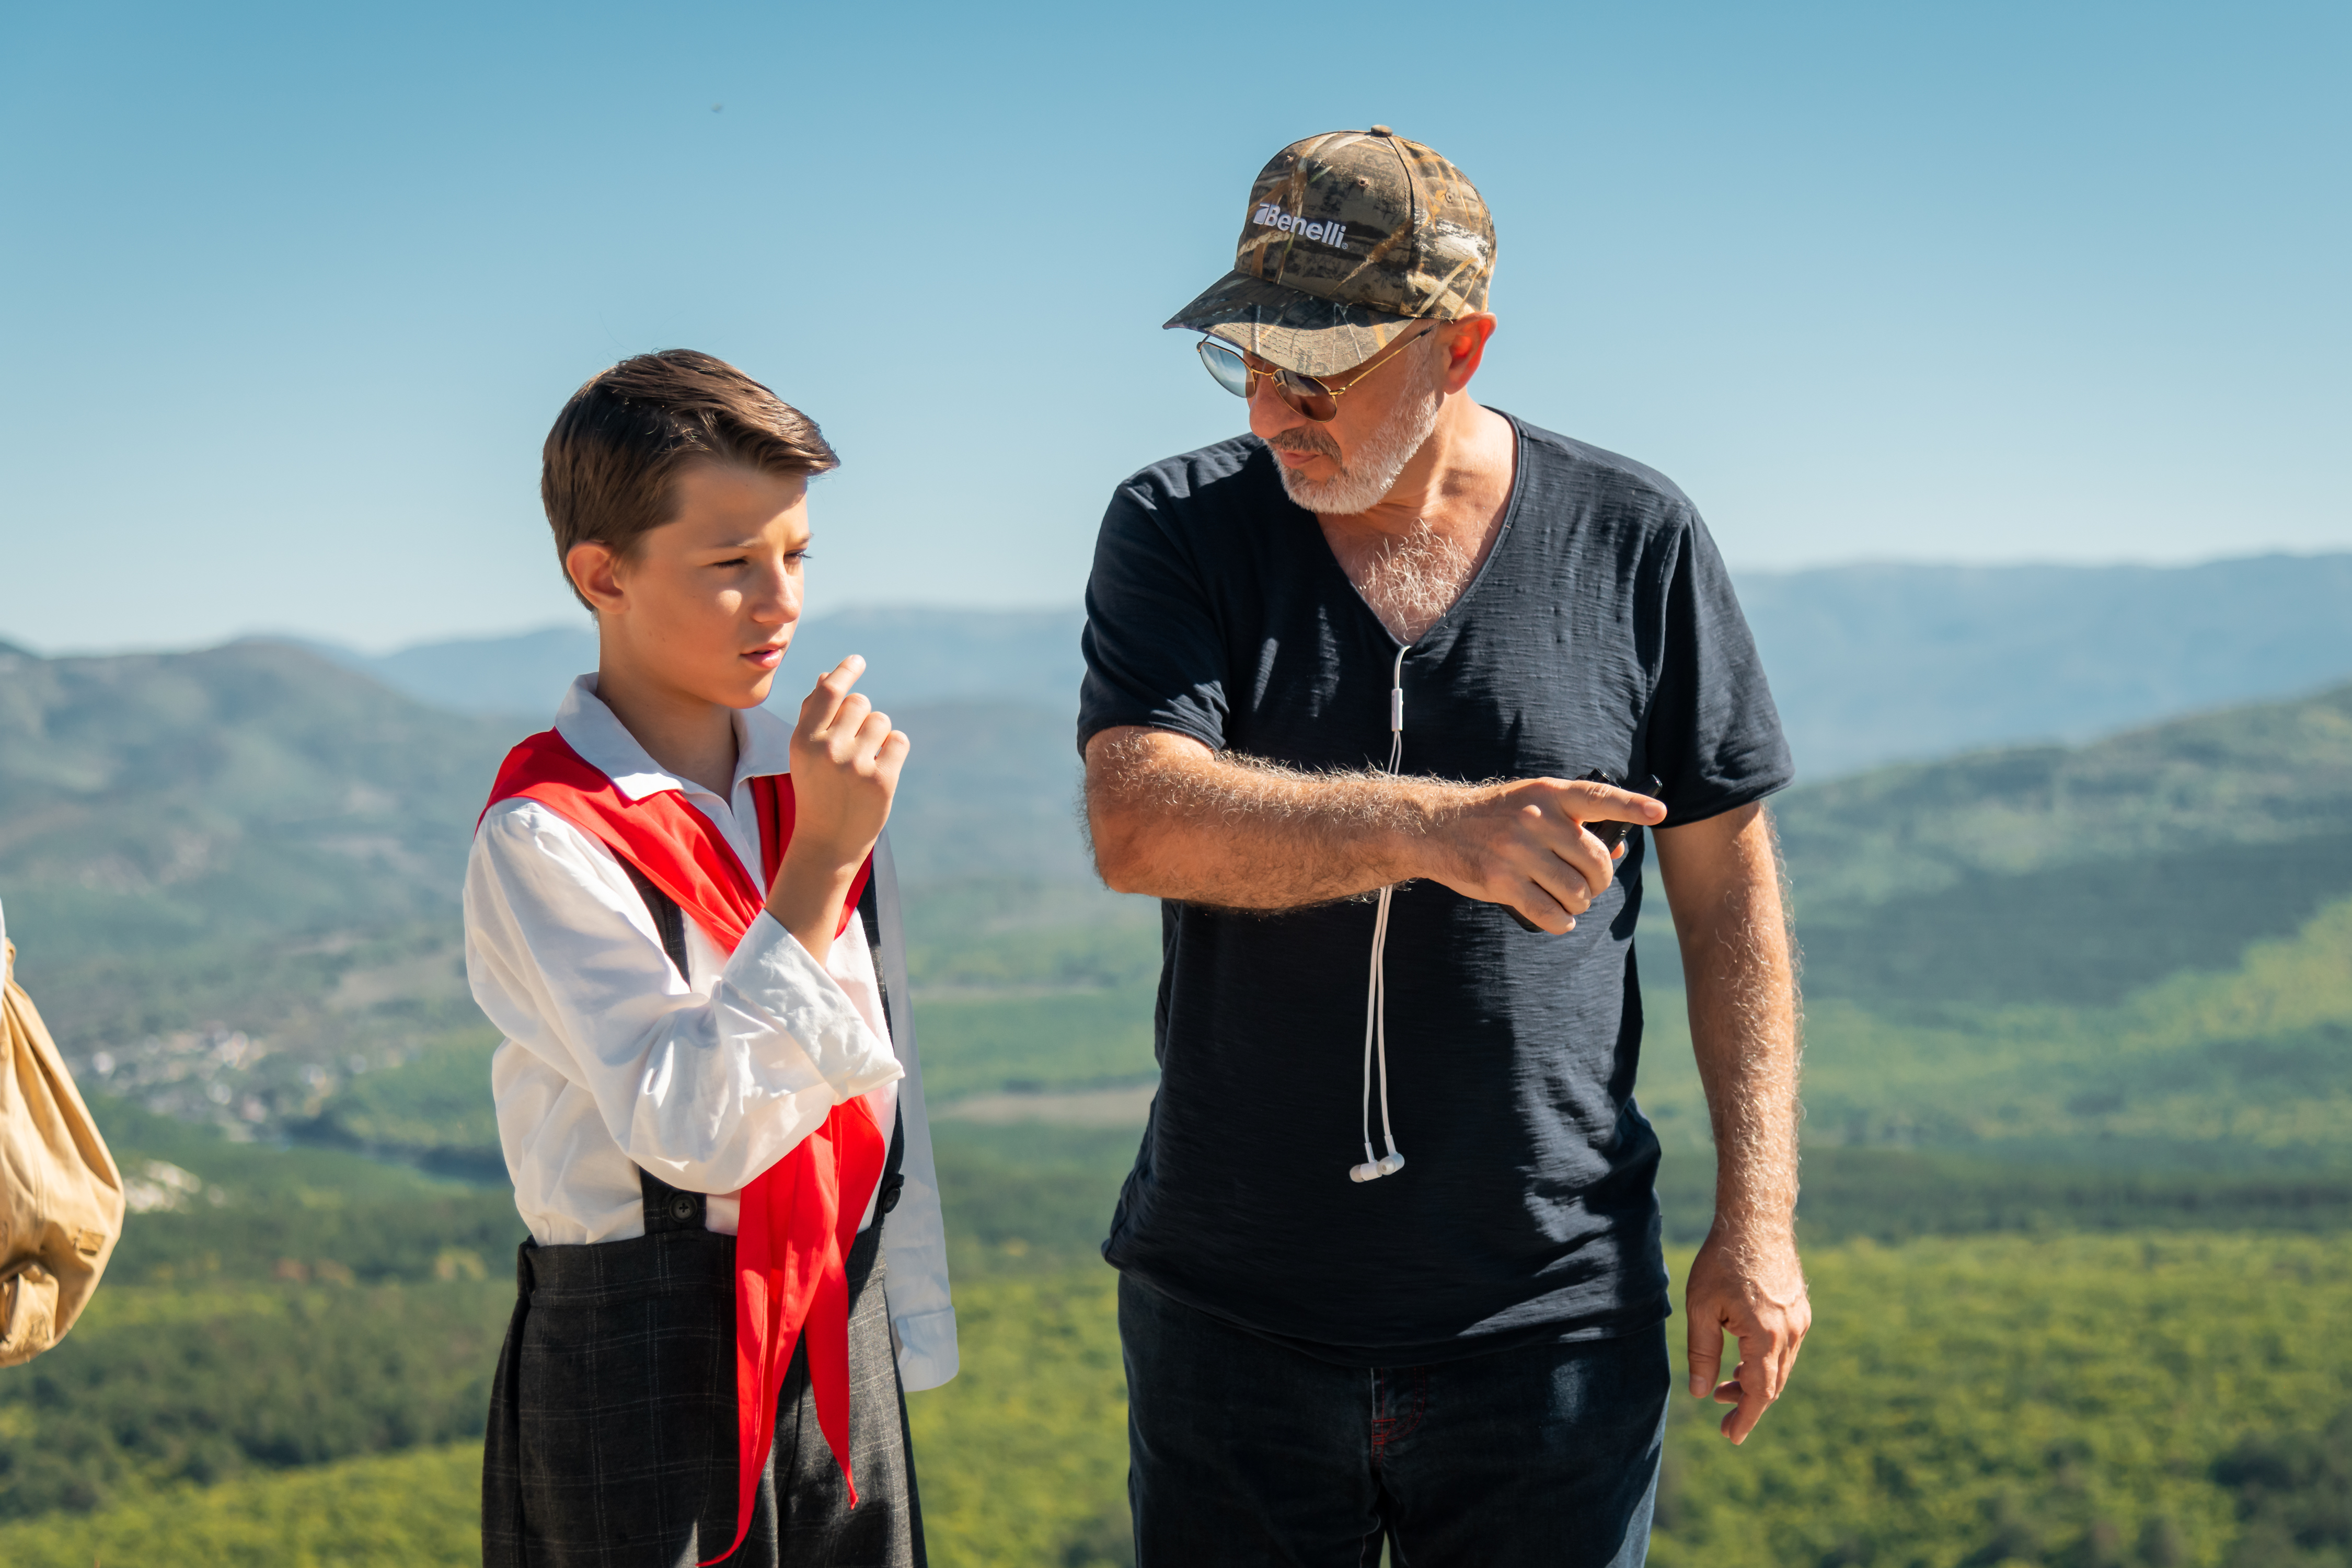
{"x":1314,"y":443}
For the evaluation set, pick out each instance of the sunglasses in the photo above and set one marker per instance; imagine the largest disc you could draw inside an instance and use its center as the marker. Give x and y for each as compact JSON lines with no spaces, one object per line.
{"x":1302,"y":395}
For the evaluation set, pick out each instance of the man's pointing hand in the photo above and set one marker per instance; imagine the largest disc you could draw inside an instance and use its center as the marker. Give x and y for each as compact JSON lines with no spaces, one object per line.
{"x":1523,"y":845}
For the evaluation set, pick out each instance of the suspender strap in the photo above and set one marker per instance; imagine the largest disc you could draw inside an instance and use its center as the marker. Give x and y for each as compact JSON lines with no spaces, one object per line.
{"x":667,"y":1207}
{"x":869,"y":914}
{"x":668,"y":918}
{"x":675,"y":1208}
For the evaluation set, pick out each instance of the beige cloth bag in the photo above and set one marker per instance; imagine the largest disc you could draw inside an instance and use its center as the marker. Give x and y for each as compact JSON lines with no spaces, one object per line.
{"x":60,"y":1195}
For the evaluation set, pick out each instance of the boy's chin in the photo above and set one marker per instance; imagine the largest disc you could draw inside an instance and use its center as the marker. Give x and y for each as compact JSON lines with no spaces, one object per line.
{"x":734,"y":691}
{"x":756,"y":694}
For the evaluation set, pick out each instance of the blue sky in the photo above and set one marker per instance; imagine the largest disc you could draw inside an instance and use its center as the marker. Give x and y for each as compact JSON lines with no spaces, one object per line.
{"x":289,"y":294}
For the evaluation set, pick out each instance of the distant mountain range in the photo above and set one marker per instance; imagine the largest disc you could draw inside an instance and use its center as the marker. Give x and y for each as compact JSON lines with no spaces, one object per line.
{"x":235,"y":872}
{"x":255,"y":838}
{"x":257,"y":843}
{"x":914,"y":654}
{"x":1871,"y":664}
{"x":1879,"y":664}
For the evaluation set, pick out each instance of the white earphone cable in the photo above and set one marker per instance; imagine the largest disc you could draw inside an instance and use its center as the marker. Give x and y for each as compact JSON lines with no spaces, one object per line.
{"x":1376,"y":1000}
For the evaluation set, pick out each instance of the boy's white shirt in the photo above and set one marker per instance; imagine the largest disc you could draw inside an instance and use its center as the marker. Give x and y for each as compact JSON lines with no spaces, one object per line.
{"x":611,"y":1062}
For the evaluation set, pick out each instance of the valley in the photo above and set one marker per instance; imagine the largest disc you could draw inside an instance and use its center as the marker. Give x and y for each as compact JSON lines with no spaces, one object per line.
{"x":2079,"y":1086}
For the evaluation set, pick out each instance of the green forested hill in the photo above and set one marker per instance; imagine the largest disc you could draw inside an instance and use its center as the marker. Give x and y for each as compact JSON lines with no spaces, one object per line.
{"x":231,"y":875}
{"x":2075,"y":875}
{"x":2098,"y":998}
{"x":258,"y":791}
{"x":247,"y":791}
{"x":2250,"y":1067}
{"x":296,"y":1374}
{"x":233,"y":878}
{"x":2134,"y":953}
{"x":2261,"y":774}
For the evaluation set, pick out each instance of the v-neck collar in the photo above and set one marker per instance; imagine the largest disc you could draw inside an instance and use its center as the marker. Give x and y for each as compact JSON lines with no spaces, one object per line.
{"x":1446,"y":622}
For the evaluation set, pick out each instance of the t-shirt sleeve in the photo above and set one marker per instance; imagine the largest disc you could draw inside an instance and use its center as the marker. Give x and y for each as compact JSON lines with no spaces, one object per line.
{"x":1154,"y":654}
{"x":1713,"y":735}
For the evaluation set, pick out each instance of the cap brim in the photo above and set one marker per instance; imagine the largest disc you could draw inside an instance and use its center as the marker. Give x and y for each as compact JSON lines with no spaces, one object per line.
{"x":1289,"y":327}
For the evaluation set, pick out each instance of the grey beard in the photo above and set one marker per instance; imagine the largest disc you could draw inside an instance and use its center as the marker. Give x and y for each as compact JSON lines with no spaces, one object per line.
{"x":1361,"y":485}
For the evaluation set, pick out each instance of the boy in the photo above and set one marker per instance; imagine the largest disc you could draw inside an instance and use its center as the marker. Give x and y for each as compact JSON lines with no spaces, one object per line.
{"x":708,"y":1094}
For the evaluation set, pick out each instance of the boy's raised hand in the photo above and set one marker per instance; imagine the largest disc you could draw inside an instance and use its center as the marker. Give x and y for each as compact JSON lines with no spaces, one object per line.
{"x":846,"y":762}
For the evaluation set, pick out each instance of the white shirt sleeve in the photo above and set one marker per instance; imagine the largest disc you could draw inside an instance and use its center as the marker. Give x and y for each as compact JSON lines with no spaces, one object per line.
{"x":704,"y":1092}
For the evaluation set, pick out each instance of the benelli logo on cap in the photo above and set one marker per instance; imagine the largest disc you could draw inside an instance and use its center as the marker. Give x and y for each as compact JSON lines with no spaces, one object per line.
{"x":1273,"y":216}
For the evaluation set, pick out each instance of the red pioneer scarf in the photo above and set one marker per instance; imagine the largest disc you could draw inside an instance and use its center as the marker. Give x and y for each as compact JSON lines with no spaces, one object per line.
{"x":799,"y":1216}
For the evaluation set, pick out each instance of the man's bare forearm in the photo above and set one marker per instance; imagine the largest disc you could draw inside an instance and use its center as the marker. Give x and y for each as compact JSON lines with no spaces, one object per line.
{"x":1173,"y":819}
{"x":1738,"y":962}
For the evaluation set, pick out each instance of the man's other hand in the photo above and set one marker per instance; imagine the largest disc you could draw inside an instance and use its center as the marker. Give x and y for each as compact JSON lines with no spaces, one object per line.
{"x":1756,"y":1293}
{"x":1523,"y":845}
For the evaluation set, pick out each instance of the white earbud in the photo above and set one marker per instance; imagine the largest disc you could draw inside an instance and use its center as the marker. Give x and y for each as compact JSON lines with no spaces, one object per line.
{"x":1376,"y":1011}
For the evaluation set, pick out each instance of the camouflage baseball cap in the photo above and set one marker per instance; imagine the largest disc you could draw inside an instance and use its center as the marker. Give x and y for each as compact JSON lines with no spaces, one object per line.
{"x":1351,"y":237}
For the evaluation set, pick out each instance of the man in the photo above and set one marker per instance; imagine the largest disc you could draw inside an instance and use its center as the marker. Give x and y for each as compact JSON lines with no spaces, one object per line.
{"x":1344,"y":674}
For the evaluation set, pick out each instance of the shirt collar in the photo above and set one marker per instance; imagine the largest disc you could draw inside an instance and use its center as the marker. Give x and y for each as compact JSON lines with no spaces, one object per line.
{"x":762,"y":745}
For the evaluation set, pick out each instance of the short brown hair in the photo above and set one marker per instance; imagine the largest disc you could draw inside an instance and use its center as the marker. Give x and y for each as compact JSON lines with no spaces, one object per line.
{"x":608,"y":474}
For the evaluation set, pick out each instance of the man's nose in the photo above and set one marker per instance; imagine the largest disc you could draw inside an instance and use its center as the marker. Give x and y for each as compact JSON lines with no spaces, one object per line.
{"x":1268,"y":413}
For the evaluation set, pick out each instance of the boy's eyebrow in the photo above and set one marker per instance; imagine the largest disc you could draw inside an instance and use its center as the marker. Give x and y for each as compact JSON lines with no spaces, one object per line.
{"x":754,"y":541}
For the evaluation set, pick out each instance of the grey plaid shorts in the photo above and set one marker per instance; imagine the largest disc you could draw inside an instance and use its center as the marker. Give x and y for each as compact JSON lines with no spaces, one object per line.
{"x":612,"y":1430}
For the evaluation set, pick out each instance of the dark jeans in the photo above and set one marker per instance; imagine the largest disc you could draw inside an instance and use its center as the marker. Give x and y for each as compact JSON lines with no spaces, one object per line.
{"x":1243,"y":1452}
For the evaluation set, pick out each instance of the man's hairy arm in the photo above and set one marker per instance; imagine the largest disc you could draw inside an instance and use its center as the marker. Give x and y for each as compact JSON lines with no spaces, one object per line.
{"x":1171,"y":818}
{"x":1722,"y":880}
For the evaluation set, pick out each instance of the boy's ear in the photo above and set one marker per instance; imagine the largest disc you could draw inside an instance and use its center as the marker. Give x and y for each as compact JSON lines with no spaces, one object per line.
{"x":594,"y":571}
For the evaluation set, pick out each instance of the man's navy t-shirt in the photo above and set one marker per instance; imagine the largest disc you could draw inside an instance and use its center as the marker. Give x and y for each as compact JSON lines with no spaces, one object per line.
{"x":1601,"y":632}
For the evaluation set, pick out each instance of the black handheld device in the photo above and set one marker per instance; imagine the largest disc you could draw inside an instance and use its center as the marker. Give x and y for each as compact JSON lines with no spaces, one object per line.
{"x":1611,"y":834}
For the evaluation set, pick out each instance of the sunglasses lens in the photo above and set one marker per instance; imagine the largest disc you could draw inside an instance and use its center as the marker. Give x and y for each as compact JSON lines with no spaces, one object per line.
{"x":1227,"y":366}
{"x":1304,"y":393}
{"x":1307,"y":397}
